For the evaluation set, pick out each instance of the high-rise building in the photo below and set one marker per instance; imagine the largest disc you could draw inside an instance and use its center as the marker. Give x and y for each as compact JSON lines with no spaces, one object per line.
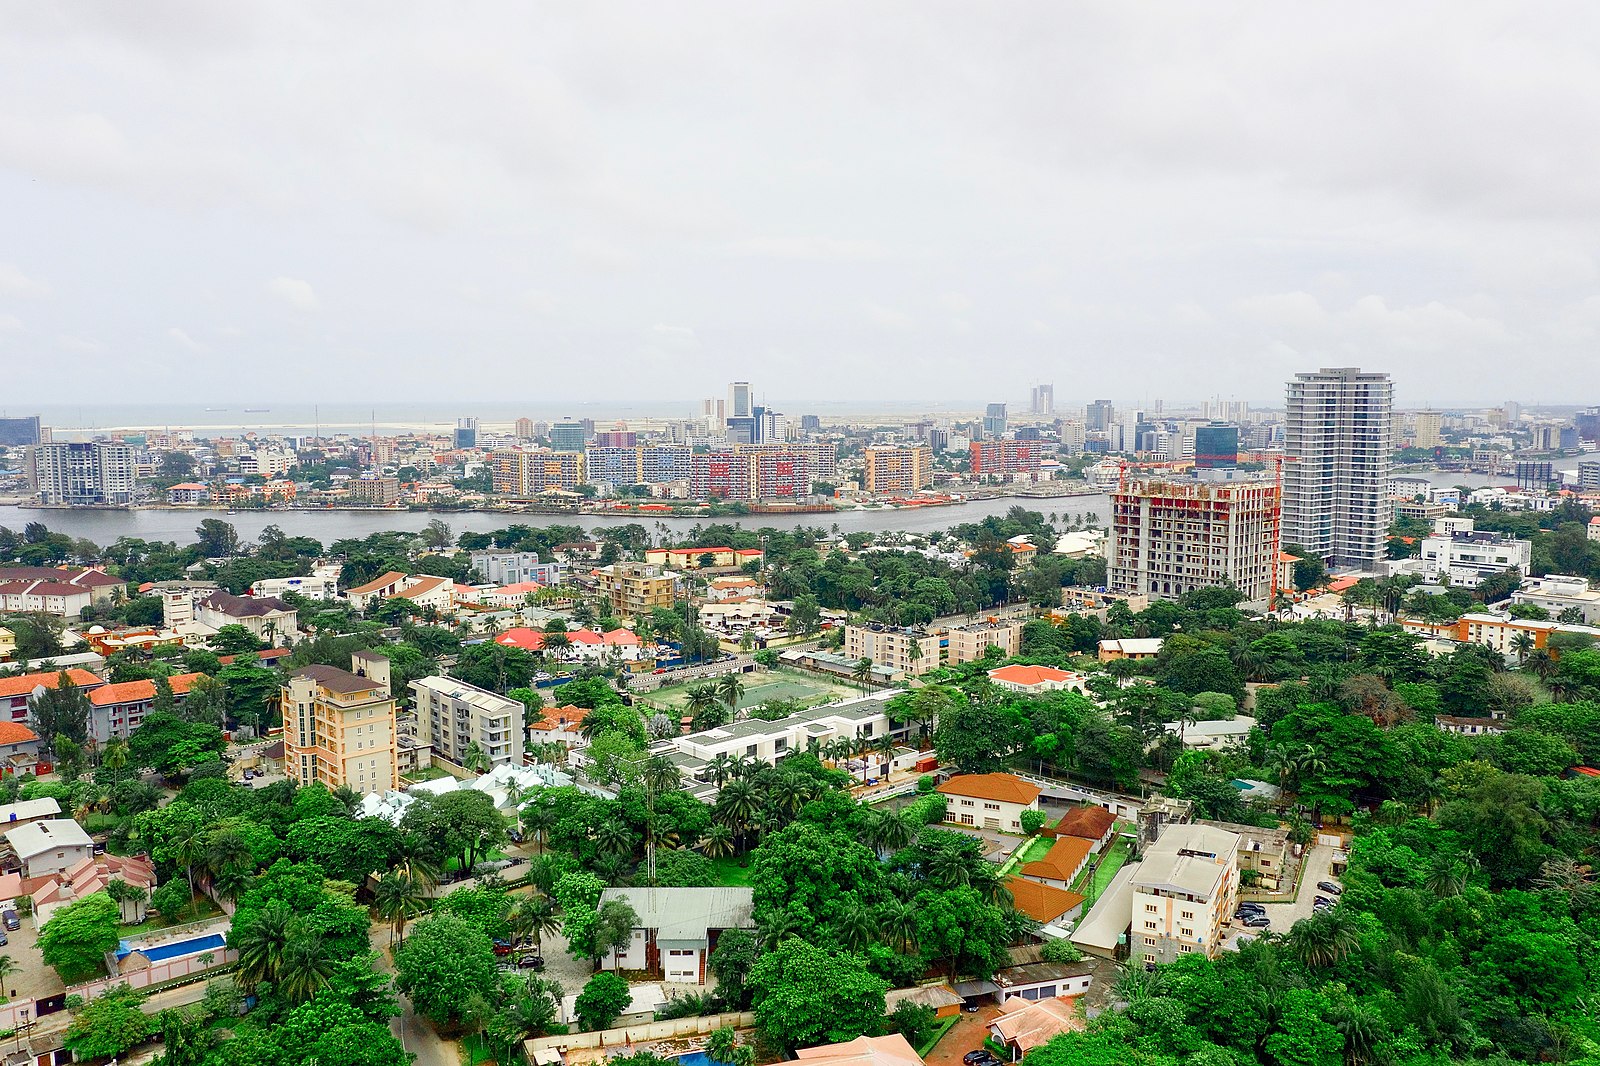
{"x":523,"y":473}
{"x":634,"y":589}
{"x":338,"y":726}
{"x":87,"y":472}
{"x":1003,"y":457}
{"x":524,"y":429}
{"x":994,"y":420}
{"x":1335,"y":488}
{"x":1535,"y":476}
{"x":615,"y":438}
{"x":466,"y":434}
{"x":1072,"y":435}
{"x":741,"y":404}
{"x":1513,"y":411}
{"x":898,"y":469}
{"x":452,"y":716}
{"x":1168,"y":538}
{"x":1426,"y":434}
{"x":1216,"y":447}
{"x":567,"y":436}
{"x":1099,"y":415}
{"x":1043,"y":400}
{"x":810,"y":424}
{"x":20,"y":432}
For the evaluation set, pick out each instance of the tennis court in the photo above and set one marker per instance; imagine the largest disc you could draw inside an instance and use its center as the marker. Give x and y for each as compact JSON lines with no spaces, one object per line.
{"x":764,"y":685}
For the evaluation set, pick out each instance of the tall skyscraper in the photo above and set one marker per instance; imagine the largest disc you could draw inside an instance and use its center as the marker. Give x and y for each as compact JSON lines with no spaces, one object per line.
{"x":994,"y":420}
{"x":20,"y":431}
{"x":1044,"y":400}
{"x":1099,"y":415}
{"x":466,"y":435}
{"x":740,"y":404}
{"x":1335,"y":491}
{"x":84,"y":472}
{"x":1427,"y":433}
{"x":1216,"y":447}
{"x":567,"y":436}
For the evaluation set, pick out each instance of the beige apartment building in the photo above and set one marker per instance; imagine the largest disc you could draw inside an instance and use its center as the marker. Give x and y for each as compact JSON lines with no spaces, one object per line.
{"x":338,"y":726}
{"x":453,"y":715}
{"x":633,"y":589}
{"x":969,"y":642}
{"x":522,"y":473}
{"x":1183,"y":891}
{"x":891,"y":470}
{"x":910,"y":652}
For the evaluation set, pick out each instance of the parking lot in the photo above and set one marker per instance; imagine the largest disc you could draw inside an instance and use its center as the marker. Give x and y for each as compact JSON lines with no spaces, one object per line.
{"x":32,"y":977}
{"x":1318,"y":867}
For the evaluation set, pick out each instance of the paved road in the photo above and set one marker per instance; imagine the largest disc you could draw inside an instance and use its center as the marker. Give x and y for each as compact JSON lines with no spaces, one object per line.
{"x":1318,"y":867}
{"x":966,"y":1035}
{"x":415,"y":1033}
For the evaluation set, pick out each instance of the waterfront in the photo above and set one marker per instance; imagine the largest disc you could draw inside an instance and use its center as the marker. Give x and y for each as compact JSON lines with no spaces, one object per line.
{"x":105,"y":526}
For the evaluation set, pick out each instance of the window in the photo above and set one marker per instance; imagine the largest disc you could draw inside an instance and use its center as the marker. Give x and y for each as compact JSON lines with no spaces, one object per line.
{"x":1149,"y":925}
{"x":991,"y":806}
{"x":1188,"y":914}
{"x":1150,"y":908}
{"x":1150,"y":941}
{"x":1186,"y":931}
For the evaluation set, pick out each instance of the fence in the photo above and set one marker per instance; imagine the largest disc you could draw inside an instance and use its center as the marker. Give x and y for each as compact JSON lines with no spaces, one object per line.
{"x":639,"y":1034}
{"x":651,"y":682}
{"x":13,"y":1013}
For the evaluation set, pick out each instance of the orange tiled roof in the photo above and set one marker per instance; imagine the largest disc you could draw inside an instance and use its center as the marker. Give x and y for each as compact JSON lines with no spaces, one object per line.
{"x":1005,"y":788}
{"x":1029,"y":675}
{"x":1091,"y":822}
{"x":1062,"y":861}
{"x":1042,"y":903}
{"x":16,"y":733}
{"x":138,"y":691}
{"x":26,"y":683}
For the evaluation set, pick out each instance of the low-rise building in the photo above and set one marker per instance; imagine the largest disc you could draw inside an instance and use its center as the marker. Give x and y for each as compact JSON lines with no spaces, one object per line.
{"x":24,"y":812}
{"x":1053,"y":908}
{"x":50,"y":892}
{"x":1265,"y":852}
{"x":1130,"y":648}
{"x":1060,"y":865}
{"x":989,"y":801}
{"x":968,"y":643}
{"x":321,"y":584}
{"x":1025,"y":1024}
{"x":426,"y":591}
{"x":1214,"y":736}
{"x":1034,"y":680}
{"x":187,"y":493}
{"x":1466,"y":557}
{"x":560,"y":725}
{"x":634,"y":589}
{"x":116,"y":710}
{"x":268,"y":618}
{"x":33,"y":596}
{"x":1469,"y":727}
{"x":15,"y":691}
{"x":48,"y":846}
{"x":891,"y":1050}
{"x":678,"y":928}
{"x":512,"y":567}
{"x":1088,"y":821}
{"x":1557,"y":593}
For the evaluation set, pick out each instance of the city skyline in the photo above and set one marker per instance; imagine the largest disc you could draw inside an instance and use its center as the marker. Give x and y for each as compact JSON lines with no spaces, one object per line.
{"x":545,"y":196}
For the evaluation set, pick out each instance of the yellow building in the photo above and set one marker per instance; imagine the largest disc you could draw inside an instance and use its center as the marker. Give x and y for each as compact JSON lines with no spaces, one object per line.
{"x":889,"y":471}
{"x":908,"y":652}
{"x":528,"y":472}
{"x":338,"y":726}
{"x":633,"y":589}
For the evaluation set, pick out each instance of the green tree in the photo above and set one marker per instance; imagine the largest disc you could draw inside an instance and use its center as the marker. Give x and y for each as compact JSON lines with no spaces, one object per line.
{"x":447,"y":969}
{"x":110,"y":1024}
{"x":61,"y":711}
{"x":76,"y":938}
{"x":601,"y":1002}
{"x":805,"y":995}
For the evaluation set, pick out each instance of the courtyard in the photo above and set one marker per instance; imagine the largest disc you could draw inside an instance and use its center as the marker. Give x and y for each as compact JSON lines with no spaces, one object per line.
{"x":759,"y":687}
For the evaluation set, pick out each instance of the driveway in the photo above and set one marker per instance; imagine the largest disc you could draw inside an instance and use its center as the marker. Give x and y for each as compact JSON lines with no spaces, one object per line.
{"x":33,"y":978}
{"x":966,"y":1035}
{"x":1318,"y":867}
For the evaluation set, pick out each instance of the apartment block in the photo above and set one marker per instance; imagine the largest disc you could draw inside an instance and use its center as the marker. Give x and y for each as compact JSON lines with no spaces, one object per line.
{"x":452,"y":716}
{"x":899,"y":470}
{"x":1003,"y":457}
{"x":638,"y":464}
{"x":1169,"y":538}
{"x":88,"y":472}
{"x":722,"y":475}
{"x":1183,"y":892}
{"x":1337,"y":433}
{"x":967,"y":644}
{"x":1466,"y":557}
{"x":910,"y":652}
{"x":528,"y":472}
{"x":514,"y":568}
{"x":823,"y":456}
{"x":633,"y":589}
{"x":376,"y":491}
{"x":1558,"y":593}
{"x":338,"y":726}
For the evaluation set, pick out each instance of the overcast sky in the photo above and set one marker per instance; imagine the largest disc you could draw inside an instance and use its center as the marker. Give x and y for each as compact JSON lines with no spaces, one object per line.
{"x":389,"y":201}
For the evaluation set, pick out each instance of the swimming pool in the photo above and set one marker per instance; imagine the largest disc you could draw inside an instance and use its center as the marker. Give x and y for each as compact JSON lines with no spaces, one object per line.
{"x":174,"y":950}
{"x":698,"y":1058}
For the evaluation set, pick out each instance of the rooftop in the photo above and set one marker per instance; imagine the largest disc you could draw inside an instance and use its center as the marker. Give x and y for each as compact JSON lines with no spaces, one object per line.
{"x":1090,"y":822}
{"x":1031,"y":675}
{"x":1064,"y":859}
{"x":336,"y":680}
{"x":687,"y":913}
{"x":36,"y":838}
{"x":891,"y":1050}
{"x":23,"y":684}
{"x":138,"y":691}
{"x":1043,"y":903}
{"x":1004,"y":788}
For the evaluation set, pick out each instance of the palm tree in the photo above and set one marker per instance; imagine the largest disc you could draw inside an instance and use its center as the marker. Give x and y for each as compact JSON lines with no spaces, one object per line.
{"x":261,"y":942}
{"x":8,"y":967}
{"x":885,"y":748}
{"x":780,"y":927}
{"x":1363,"y":1033}
{"x":614,"y":838}
{"x":856,"y":927}
{"x":738,"y":804}
{"x":897,"y":924}
{"x":721,"y":768}
{"x":862,"y":674}
{"x":1323,"y":939}
{"x":717,"y":843}
{"x":894,"y":832}
{"x":474,"y":759}
{"x":305,"y":967}
{"x":229,"y":862}
{"x":1446,"y":877}
{"x":396,"y":898}
{"x":537,"y":822}
{"x":729,"y":689}
{"x":1522,"y":644}
{"x":701,"y":698}
{"x":660,"y":776}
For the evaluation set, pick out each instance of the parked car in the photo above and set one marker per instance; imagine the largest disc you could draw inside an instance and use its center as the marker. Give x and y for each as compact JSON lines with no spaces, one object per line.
{"x":501,"y":947}
{"x":1257,"y":921}
{"x":4,"y":940}
{"x":11,"y":920}
{"x":1329,"y":886}
{"x":972,"y":1058}
{"x":1251,"y":908}
{"x":531,"y":962}
{"x":1322,"y":901}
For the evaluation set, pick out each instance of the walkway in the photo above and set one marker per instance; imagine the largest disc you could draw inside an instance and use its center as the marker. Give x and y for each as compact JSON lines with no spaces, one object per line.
{"x":966,"y":1035}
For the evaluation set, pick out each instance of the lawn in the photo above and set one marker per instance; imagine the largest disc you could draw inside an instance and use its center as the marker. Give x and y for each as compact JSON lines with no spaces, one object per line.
{"x":1111,"y":861}
{"x":1032,"y":851}
{"x":937,"y":1035}
{"x":729,"y":872}
{"x":761,"y":686}
{"x":196,"y":909}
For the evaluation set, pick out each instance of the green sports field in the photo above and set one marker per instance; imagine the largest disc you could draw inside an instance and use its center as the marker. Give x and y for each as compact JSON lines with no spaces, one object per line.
{"x":761,"y":686}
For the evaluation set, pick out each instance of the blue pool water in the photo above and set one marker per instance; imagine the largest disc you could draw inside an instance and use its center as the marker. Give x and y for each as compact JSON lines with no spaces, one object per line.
{"x":698,"y":1058}
{"x":176,"y":949}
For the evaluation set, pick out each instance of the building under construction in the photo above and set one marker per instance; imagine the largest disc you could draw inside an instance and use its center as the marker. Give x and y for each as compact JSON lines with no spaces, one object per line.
{"x":1171,"y":537}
